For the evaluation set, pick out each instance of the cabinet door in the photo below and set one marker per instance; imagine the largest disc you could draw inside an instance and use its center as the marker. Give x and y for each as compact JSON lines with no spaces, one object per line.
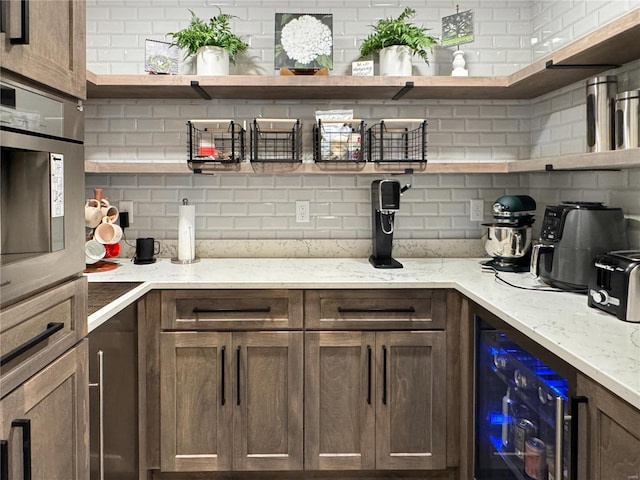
{"x":117,"y":340}
{"x":195,"y":401}
{"x":267,"y":419}
{"x":411,"y":400}
{"x":56,"y":49}
{"x":339,"y":401}
{"x":613,"y":435}
{"x":52,"y":406}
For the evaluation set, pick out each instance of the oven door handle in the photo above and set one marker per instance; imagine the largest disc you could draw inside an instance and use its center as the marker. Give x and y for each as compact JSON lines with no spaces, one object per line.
{"x":50,"y":330}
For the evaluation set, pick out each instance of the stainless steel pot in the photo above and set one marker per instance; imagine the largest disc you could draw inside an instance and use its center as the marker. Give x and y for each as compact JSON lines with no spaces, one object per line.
{"x":507,"y":241}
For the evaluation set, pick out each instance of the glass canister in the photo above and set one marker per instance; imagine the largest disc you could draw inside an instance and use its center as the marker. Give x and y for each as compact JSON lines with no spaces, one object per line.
{"x":627,"y":120}
{"x":601,"y":92}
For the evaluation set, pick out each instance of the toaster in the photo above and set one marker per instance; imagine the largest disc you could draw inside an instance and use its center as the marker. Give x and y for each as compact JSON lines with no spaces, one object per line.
{"x":614,"y":285}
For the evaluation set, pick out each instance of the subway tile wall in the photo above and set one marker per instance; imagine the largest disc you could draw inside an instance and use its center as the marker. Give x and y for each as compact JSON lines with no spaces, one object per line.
{"x":262,"y":206}
{"x":117,"y":29}
{"x":554,"y":23}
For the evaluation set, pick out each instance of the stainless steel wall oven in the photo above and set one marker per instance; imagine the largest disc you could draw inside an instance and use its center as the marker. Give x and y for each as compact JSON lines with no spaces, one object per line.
{"x":41,"y":190}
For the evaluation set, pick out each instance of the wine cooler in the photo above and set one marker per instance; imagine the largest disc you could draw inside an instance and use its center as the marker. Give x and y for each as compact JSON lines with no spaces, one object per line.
{"x":522,"y":412}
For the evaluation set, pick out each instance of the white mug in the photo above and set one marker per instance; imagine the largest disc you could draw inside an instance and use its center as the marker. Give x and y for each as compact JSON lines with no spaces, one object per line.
{"x":93,"y":251}
{"x":92,"y":213}
{"x":108,"y":233}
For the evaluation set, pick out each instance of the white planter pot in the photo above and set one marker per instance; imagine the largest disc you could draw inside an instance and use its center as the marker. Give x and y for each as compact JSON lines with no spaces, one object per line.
{"x":212,"y":61}
{"x":395,"y":61}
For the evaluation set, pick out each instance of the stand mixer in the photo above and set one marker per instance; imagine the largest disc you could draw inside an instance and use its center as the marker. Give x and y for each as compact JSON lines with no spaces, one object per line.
{"x":385,"y":202}
{"x":508,"y":239}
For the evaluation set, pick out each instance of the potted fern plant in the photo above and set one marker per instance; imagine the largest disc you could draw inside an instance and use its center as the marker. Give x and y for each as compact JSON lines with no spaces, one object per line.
{"x":213,"y":43}
{"x":398,"y":41}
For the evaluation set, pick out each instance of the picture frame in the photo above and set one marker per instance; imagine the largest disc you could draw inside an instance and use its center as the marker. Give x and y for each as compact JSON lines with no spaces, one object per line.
{"x":303,"y":41}
{"x":160,"y":57}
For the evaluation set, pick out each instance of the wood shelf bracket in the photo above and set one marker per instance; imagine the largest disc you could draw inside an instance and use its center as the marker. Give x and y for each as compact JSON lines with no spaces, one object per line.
{"x":403,"y":91}
{"x":555,"y":66}
{"x":195,"y":84}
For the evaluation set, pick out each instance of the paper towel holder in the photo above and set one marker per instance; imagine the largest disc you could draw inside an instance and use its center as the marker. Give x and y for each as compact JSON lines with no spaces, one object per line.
{"x":176,"y":259}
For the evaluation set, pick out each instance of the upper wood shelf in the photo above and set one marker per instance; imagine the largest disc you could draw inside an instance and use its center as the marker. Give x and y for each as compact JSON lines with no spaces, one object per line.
{"x":615,"y":43}
{"x":588,"y":161}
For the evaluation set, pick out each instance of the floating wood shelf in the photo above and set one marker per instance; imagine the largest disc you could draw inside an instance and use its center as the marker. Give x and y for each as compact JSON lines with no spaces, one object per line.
{"x":589,"y":161}
{"x":615,"y":43}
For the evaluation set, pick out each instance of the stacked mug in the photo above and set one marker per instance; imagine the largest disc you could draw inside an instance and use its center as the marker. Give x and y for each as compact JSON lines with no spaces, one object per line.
{"x":101,"y":216}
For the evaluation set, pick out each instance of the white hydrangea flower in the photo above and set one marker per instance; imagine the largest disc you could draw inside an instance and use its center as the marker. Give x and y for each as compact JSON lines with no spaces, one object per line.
{"x":305,"y":38}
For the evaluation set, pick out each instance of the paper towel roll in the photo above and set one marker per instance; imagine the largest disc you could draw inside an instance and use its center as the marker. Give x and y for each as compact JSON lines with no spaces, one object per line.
{"x":186,"y":232}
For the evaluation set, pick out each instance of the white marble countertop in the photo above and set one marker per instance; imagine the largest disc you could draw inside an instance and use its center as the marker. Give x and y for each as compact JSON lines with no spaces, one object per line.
{"x":597,"y":344}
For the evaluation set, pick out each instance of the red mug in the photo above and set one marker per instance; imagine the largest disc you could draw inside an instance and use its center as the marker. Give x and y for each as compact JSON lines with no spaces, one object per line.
{"x":112,"y":249}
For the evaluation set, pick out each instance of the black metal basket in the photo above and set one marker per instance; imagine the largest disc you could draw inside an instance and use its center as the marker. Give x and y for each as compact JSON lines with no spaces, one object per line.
{"x":276,"y":140}
{"x":397,"y":140}
{"x":215,"y":141}
{"x":339,"y":141}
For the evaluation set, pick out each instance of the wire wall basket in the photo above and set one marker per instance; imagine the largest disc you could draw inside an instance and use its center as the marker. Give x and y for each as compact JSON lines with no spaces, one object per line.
{"x":339,"y":141}
{"x":397,"y":140}
{"x":215,"y":141}
{"x":276,"y":140}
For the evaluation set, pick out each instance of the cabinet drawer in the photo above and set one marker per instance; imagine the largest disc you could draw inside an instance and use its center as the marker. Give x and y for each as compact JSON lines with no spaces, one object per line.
{"x":37,"y":330}
{"x":231,"y":309}
{"x":375,"y":309}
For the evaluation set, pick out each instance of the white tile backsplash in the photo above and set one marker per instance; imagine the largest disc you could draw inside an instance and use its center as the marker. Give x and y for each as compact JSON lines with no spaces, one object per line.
{"x":509,"y":35}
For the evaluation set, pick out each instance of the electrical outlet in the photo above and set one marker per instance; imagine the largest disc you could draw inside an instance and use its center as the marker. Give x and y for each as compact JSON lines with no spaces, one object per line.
{"x":127,"y":207}
{"x":477,"y":210}
{"x":302,"y":211}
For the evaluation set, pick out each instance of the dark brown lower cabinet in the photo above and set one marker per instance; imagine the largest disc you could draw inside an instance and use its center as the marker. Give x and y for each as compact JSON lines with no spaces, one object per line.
{"x":113,"y":405}
{"x":609,"y":435}
{"x":375,"y":400}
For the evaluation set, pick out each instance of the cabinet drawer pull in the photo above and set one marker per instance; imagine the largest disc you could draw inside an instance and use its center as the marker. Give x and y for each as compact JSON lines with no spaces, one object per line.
{"x":23,"y":39}
{"x":51,"y":329}
{"x":384,"y":374}
{"x":25,"y":425}
{"x":232,"y":310}
{"x":376,"y":310}
{"x":238,"y":376}
{"x":4,"y":457}
{"x":3,"y":29}
{"x":222,"y":355}
{"x":100,"y":386}
{"x":369,"y":374}
{"x":573,"y":418}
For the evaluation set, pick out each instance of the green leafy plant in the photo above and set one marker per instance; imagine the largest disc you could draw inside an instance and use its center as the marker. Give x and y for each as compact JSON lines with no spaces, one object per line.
{"x":398,"y":31}
{"x":216,"y":33}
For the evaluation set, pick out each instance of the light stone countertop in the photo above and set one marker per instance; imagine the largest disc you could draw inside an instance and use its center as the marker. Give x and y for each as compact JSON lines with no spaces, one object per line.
{"x":597,"y":344}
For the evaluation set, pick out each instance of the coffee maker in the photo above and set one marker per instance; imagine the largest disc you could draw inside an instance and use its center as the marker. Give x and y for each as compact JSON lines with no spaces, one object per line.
{"x":508,"y":238}
{"x":385,"y":202}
